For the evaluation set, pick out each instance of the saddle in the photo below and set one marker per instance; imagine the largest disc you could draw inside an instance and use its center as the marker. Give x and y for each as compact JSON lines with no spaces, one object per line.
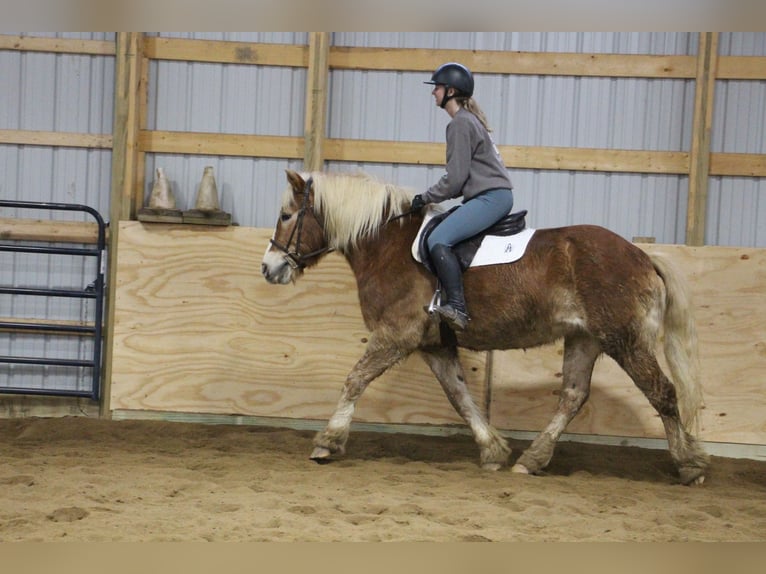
{"x":466,"y":250}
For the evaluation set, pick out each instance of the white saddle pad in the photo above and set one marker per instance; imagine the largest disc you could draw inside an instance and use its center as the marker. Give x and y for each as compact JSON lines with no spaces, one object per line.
{"x":494,"y":249}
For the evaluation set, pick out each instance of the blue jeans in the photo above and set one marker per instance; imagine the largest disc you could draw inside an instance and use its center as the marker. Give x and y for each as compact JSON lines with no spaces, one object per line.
{"x":472,"y":217}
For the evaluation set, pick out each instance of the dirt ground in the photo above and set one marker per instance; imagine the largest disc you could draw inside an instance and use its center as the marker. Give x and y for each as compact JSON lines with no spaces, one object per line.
{"x":83,"y":479}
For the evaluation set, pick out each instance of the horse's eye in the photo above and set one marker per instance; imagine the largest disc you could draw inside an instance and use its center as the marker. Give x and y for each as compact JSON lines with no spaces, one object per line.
{"x":285,"y":216}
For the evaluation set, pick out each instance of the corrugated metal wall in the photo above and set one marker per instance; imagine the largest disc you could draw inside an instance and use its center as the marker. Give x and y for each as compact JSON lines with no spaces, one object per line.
{"x":540,"y":111}
{"x":61,"y":92}
{"x":218,"y":98}
{"x":736,"y":213}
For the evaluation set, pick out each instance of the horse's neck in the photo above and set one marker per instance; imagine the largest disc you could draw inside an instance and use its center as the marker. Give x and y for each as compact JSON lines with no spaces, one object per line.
{"x":376,"y":259}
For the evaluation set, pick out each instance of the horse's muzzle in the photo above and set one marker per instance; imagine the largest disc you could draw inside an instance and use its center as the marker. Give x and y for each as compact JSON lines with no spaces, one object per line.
{"x":276,"y":270}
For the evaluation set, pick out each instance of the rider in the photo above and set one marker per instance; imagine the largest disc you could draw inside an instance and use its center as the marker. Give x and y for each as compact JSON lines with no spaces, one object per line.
{"x":476,"y":172}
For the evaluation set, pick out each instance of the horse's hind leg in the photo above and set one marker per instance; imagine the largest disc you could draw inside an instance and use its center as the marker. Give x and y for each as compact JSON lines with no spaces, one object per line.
{"x":643,"y":368}
{"x":375,"y":361}
{"x":580,"y":354}
{"x":445,"y":364}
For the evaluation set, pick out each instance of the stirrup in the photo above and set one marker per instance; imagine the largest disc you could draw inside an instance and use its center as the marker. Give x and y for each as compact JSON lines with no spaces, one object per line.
{"x":456,"y":319}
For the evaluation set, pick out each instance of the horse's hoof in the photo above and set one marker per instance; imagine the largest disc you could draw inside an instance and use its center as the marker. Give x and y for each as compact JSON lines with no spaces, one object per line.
{"x":321,"y":455}
{"x":692,"y":476}
{"x":520,"y":469}
{"x":491,"y":466}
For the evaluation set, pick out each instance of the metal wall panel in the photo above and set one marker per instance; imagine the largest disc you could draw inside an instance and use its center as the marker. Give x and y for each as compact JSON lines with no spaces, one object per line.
{"x":736,"y":213}
{"x":57,"y":92}
{"x":228,"y":98}
{"x":62,"y":93}
{"x":620,"y":113}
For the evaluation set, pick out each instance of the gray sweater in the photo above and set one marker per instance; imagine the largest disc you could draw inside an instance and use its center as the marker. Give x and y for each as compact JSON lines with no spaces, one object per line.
{"x":473,"y":162}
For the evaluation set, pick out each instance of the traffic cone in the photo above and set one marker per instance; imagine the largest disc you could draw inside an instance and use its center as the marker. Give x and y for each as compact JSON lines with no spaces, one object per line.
{"x":207,"y":195}
{"x":162,"y":196}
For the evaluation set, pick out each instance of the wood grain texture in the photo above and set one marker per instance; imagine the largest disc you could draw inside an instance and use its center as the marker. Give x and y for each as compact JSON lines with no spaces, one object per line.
{"x":198,"y":329}
{"x":728,"y":286}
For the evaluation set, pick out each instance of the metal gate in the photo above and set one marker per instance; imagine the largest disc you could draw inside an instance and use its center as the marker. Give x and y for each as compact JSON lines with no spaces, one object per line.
{"x":90,"y":292}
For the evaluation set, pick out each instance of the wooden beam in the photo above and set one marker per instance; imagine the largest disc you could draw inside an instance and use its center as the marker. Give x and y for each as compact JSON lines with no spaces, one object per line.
{"x":127,"y":85}
{"x":143,"y":106}
{"x":595,"y":159}
{"x":397,"y":59}
{"x":57,"y":45}
{"x":738,"y":164}
{"x":206,"y":143}
{"x":316,"y":100}
{"x":505,"y":62}
{"x":225,"y":52}
{"x":520,"y":157}
{"x":704,"y":95}
{"x":742,"y":68}
{"x":56,"y":139}
{"x":416,"y":153}
{"x":47,"y":230}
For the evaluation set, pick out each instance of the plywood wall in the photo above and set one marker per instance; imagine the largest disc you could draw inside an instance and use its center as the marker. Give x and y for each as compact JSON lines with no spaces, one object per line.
{"x":728,"y":286}
{"x":198,"y":330}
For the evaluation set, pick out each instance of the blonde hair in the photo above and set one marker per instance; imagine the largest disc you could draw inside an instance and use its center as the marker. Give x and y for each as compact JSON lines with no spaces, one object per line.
{"x":472,"y":106}
{"x":355,"y":205}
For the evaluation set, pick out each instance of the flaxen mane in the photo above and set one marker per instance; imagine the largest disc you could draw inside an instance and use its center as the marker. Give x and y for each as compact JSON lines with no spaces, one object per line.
{"x":354,"y":206}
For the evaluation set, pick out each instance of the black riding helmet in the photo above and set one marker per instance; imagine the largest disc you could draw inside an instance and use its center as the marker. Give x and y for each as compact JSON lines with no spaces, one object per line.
{"x":453,"y":75}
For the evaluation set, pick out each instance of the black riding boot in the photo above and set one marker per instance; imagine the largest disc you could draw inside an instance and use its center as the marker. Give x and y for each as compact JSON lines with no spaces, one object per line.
{"x":451,"y":277}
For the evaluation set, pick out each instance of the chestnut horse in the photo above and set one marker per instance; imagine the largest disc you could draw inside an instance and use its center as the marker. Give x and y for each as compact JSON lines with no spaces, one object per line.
{"x":582,"y":283}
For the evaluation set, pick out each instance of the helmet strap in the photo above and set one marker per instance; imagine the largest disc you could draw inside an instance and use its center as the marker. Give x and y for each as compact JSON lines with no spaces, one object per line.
{"x":447,"y":98}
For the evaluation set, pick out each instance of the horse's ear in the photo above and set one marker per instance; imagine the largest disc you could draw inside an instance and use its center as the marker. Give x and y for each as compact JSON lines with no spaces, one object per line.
{"x":295,"y":180}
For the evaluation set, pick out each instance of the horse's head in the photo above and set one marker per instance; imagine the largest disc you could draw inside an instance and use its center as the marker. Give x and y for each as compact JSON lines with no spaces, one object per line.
{"x":298,"y":239}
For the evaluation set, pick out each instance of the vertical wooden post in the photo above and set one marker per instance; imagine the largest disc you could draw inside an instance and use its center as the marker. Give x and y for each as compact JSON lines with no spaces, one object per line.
{"x":125,"y":130}
{"x":124,"y":160}
{"x":316,"y":100}
{"x":699,"y":161}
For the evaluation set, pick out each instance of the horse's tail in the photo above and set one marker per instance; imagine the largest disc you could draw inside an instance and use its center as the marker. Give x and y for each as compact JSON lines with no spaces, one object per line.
{"x":681,"y":349}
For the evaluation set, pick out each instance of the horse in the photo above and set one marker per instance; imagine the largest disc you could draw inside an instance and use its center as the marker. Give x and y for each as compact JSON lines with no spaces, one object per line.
{"x":582,"y":283}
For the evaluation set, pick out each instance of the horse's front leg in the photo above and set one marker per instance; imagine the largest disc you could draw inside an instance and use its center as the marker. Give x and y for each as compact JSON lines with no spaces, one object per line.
{"x":445,"y":364}
{"x":375,"y":361}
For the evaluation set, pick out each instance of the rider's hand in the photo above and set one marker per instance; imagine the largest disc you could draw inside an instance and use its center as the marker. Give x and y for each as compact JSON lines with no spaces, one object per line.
{"x":417,"y":203}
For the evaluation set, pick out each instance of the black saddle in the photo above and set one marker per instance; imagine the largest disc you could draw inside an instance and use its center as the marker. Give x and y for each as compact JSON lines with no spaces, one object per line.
{"x":465,"y":250}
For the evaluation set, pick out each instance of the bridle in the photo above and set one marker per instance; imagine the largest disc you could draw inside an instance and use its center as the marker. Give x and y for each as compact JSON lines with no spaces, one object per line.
{"x":294,"y":258}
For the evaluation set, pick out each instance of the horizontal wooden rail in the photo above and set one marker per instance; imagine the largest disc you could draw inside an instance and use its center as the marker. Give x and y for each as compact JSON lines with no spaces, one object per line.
{"x":741,"y":68}
{"x":56,"y":139}
{"x":46,"y":230}
{"x":524,"y":63}
{"x":738,"y":164}
{"x":208,"y":143}
{"x":484,"y":61}
{"x":425,"y":153}
{"x":226,"y":52}
{"x":57,"y":45}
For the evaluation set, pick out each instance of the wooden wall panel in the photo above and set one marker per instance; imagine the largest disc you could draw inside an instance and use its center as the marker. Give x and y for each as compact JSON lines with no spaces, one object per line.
{"x":198,"y":330}
{"x":728,"y":286}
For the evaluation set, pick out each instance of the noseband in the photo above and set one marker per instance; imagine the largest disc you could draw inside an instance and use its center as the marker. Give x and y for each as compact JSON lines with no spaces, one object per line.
{"x":294,"y":258}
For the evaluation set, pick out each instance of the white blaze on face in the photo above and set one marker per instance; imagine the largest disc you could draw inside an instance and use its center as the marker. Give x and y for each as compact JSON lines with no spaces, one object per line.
{"x":274,"y":267}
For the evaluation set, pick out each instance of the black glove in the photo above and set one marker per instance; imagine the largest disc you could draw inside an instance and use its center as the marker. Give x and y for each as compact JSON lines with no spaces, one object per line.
{"x":417,"y":203}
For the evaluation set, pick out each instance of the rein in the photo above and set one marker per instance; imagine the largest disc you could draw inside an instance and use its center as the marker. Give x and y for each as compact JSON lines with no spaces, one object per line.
{"x":294,"y":258}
